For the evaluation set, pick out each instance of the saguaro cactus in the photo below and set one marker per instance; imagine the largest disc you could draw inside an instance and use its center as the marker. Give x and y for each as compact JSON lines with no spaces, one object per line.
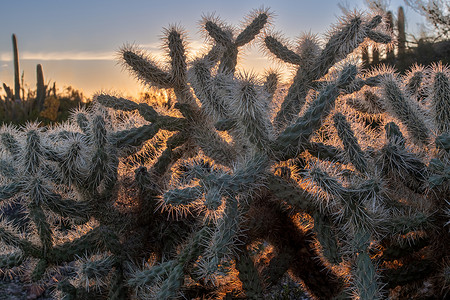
{"x":401,"y":32}
{"x":365,"y":57}
{"x":390,"y":55}
{"x":16,"y":68}
{"x":375,"y":56}
{"x":40,"y":88}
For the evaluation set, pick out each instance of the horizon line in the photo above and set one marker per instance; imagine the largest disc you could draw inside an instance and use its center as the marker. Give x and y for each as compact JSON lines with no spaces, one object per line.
{"x":155,"y":49}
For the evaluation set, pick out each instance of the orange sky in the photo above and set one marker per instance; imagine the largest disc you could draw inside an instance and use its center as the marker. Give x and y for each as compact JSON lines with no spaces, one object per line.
{"x":95,"y":75}
{"x":76,"y":41}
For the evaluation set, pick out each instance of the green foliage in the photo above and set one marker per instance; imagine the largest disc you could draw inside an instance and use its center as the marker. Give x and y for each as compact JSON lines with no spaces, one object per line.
{"x":333,"y":201}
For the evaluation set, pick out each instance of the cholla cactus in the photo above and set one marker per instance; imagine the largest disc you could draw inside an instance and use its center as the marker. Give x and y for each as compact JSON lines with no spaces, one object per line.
{"x":349,"y":208}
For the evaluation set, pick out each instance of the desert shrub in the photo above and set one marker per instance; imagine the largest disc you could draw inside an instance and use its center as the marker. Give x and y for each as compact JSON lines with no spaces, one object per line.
{"x":234,"y":185}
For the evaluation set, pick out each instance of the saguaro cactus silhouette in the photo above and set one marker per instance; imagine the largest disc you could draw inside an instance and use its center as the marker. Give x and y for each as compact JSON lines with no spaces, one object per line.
{"x":401,"y":38}
{"x":16,"y":68}
{"x":390,"y":55}
{"x":40,"y":88}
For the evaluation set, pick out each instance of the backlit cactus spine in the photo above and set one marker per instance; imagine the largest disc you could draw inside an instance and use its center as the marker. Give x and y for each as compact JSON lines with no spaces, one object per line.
{"x":345,"y":38}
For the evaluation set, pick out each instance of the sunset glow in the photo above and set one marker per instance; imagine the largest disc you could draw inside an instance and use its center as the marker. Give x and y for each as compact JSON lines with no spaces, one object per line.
{"x":77,"y":43}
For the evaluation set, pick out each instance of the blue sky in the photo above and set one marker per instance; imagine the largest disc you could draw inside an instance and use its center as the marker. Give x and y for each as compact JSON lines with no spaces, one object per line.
{"x":75,"y":41}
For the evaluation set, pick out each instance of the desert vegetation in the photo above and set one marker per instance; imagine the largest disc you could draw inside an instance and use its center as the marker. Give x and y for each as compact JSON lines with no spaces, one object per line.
{"x":45,"y":104}
{"x":430,"y":46}
{"x":340,"y":180}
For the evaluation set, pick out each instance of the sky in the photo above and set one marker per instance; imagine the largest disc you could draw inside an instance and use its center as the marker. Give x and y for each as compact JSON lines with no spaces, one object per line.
{"x":77,"y":41}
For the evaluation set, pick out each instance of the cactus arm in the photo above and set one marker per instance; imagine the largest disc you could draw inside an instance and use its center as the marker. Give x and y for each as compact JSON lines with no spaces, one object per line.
{"x":10,"y":143}
{"x":327,"y":238}
{"x":211,"y":94}
{"x":270,"y":84}
{"x":407,"y":112}
{"x":171,"y":272}
{"x":293,"y":195}
{"x":146,"y":277}
{"x":11,"y":260}
{"x":359,"y":83}
{"x":182,"y":197}
{"x":134,"y":137}
{"x":366,"y":278}
{"x":9,"y":94}
{"x":9,"y":190}
{"x":340,"y":44}
{"x":68,"y":208}
{"x":293,"y":138}
{"x":98,"y":238}
{"x":249,"y":276}
{"x":225,"y":124}
{"x":287,"y":143}
{"x":403,"y":275}
{"x":214,"y":146}
{"x":82,"y":122}
{"x":39,"y":218}
{"x":39,"y":270}
{"x":294,"y":100}
{"x":177,"y":56}
{"x":324,"y":152}
{"x":33,"y":152}
{"x":11,"y":238}
{"x":441,"y":101}
{"x":145,"y":110}
{"x":443,"y":142}
{"x":251,"y":114}
{"x":281,"y":51}
{"x":343,"y":42}
{"x":117,"y":103}
{"x":170,"y":155}
{"x":405,"y":166}
{"x":218,"y":34}
{"x":252,"y":29}
{"x":223,"y":239}
{"x":397,"y":251}
{"x":401,"y":44}
{"x":146,"y":69}
{"x":353,"y":150}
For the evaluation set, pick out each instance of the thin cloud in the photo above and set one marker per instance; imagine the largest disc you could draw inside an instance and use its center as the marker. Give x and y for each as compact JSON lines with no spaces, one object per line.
{"x":192,"y":44}
{"x":154,"y":48}
{"x":62,"y":55}
{"x":151,"y":46}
